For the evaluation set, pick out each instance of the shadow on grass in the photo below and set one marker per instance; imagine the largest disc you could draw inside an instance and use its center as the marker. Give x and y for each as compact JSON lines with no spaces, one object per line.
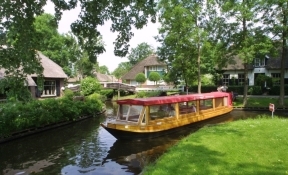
{"x":196,"y":155}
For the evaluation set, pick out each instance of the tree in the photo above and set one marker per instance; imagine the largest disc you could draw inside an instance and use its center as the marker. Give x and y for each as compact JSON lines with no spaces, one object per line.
{"x":62,"y":49}
{"x":140,"y":78}
{"x":184,"y":35}
{"x":84,"y":67}
{"x":18,"y":18}
{"x":275,"y":22}
{"x":246,"y":40}
{"x":154,"y":76}
{"x":142,"y":51}
{"x":122,"y":69}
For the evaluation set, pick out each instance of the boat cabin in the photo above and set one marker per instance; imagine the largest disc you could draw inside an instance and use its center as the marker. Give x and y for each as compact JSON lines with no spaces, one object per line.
{"x":144,"y":111}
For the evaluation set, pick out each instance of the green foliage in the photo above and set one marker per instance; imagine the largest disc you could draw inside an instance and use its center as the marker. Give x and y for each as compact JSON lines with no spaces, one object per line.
{"x":18,"y":116}
{"x":84,"y":66}
{"x":68,"y":94}
{"x":122,"y":69}
{"x":104,"y":70}
{"x":89,"y":85}
{"x":255,"y":90}
{"x":154,"y":76}
{"x":61,"y":48}
{"x":108,"y":93}
{"x":140,"y":78}
{"x":262,"y":79}
{"x":15,"y":88}
{"x":143,"y":94}
{"x":96,"y":96}
{"x":275,"y":90}
{"x":22,"y":35}
{"x":185,"y":39}
{"x":142,"y":51}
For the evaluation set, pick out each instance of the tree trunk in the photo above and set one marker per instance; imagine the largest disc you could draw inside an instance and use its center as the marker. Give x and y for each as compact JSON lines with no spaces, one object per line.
{"x":284,"y":51}
{"x":199,"y":71}
{"x":246,"y":83}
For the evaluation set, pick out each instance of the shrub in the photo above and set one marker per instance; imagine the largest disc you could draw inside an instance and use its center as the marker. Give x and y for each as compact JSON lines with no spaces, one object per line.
{"x":107,"y":92}
{"x":154,"y":76}
{"x":89,"y":86}
{"x":140,"y":78}
{"x":18,"y":116}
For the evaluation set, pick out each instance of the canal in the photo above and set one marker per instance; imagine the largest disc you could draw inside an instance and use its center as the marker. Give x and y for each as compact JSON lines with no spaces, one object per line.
{"x":85,"y":148}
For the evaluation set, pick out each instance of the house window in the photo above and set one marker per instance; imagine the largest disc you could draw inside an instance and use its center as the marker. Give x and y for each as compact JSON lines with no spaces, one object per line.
{"x":226,"y":79}
{"x":241,"y":79}
{"x":49,"y":88}
{"x":259,"y":62}
{"x":153,"y":68}
{"x":276,"y":78}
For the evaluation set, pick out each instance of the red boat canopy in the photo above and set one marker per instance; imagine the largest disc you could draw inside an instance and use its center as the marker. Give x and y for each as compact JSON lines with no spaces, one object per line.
{"x":175,"y":99}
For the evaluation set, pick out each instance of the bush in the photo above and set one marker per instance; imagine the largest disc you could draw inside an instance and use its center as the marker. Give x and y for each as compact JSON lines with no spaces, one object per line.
{"x":89,"y":86}
{"x":255,"y":90}
{"x":140,"y":78}
{"x":154,"y":76}
{"x":108,"y":93}
{"x":18,"y":116}
{"x":143,"y":94}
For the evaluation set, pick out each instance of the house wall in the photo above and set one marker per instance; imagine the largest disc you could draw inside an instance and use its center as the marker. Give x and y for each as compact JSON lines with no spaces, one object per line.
{"x":56,"y":91}
{"x":251,"y":73}
{"x":159,"y":69}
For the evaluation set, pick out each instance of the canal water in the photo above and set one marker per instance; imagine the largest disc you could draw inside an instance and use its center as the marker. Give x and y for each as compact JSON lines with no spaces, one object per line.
{"x":85,"y":148}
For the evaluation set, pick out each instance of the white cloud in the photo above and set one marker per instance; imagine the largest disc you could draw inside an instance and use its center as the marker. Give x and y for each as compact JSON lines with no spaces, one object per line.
{"x":108,"y":58}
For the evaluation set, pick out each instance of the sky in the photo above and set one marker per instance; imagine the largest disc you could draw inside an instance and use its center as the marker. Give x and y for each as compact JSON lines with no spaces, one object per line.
{"x":108,"y":58}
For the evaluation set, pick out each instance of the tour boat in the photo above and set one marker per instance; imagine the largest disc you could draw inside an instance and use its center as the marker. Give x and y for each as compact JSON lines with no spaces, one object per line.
{"x":143,"y":118}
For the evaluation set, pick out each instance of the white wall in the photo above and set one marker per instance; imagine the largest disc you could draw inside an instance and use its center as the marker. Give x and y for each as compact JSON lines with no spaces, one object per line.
{"x":251,"y":73}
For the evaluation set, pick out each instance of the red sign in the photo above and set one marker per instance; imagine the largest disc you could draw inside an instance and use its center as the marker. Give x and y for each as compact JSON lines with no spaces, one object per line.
{"x":271,"y":107}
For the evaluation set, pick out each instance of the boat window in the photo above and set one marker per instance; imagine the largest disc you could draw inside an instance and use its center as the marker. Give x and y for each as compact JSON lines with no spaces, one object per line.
{"x":187,"y":107}
{"x":144,"y":116}
{"x":162,"y":111}
{"x":129,"y":112}
{"x":206,"y":104}
{"x":218,"y":102}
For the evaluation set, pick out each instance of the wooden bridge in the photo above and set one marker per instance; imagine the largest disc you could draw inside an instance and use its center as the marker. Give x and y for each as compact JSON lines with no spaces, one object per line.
{"x":118,"y":86}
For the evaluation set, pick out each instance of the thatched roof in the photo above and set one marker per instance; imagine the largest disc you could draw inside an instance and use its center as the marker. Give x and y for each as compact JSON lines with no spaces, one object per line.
{"x":51,"y":69}
{"x":105,"y":78}
{"x":271,"y":63}
{"x":151,"y":60}
{"x":29,"y":79}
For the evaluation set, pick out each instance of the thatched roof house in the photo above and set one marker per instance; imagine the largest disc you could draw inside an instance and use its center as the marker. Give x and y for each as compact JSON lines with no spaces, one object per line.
{"x":54,"y":77}
{"x":105,"y":78}
{"x":266,"y":66}
{"x":149,"y":64}
{"x":269,"y":63}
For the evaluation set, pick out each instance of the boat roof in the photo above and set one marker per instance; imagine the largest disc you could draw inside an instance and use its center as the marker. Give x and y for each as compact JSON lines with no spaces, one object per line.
{"x":172,"y":99}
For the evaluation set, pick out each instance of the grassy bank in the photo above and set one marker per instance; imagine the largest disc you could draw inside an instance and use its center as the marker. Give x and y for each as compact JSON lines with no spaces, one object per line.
{"x":252,"y":146}
{"x":259,"y":101}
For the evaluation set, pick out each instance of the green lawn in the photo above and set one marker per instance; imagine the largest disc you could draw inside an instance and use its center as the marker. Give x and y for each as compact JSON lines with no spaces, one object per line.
{"x":259,"y":101}
{"x":252,"y":146}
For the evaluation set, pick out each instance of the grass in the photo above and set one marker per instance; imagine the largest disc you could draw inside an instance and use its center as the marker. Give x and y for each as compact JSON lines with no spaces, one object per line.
{"x":259,"y":101}
{"x":251,"y":146}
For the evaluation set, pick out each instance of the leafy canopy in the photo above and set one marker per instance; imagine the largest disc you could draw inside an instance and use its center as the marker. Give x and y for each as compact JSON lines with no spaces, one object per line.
{"x":90,"y":85}
{"x":140,"y":52}
{"x":154,"y":76}
{"x":18,"y":17}
{"x":140,"y":78}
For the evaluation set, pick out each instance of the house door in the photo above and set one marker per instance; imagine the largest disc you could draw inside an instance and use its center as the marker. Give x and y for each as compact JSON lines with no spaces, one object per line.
{"x":255,"y":77}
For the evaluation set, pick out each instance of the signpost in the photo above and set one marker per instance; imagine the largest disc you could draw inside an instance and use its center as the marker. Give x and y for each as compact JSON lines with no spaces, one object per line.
{"x":271,"y":108}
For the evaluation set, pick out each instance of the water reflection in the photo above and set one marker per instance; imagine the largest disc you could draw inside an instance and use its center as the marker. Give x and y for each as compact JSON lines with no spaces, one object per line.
{"x":85,"y":148}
